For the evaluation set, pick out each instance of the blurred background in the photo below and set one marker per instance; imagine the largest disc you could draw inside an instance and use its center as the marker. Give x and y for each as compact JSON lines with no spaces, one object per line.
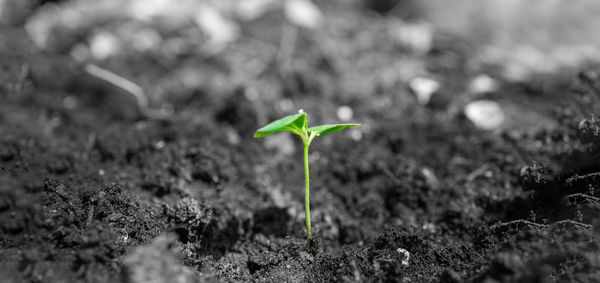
{"x":166,"y":53}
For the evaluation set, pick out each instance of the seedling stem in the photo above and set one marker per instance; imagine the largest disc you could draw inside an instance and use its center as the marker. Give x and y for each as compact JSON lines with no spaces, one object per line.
{"x":307,"y":195}
{"x":297,"y":124}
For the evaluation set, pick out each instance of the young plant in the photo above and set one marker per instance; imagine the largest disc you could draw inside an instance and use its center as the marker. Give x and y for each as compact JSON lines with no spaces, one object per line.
{"x":297,"y":124}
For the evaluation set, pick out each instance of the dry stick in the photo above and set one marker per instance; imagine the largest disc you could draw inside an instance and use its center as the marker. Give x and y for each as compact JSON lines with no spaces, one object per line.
{"x":386,"y":171}
{"x":534,"y":225}
{"x":591,"y":199}
{"x":89,"y":145}
{"x":120,"y":82}
{"x":23,"y":74}
{"x":572,"y":223}
{"x":90,"y":216}
{"x":517,"y":223}
{"x":477,"y":172}
{"x":126,"y":85}
{"x":593,"y":176}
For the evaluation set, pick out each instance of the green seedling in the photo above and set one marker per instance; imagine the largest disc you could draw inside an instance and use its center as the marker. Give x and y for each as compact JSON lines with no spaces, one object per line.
{"x":298,"y":125}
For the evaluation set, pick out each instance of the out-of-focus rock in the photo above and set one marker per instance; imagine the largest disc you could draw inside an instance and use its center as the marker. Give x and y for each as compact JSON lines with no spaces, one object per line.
{"x":248,"y":10}
{"x":483,"y":84}
{"x":303,"y":13}
{"x":485,"y":114}
{"x":220,"y":30}
{"x":356,"y":133}
{"x":423,"y":88}
{"x":416,"y":36}
{"x":103,"y":45}
{"x":156,"y":263}
{"x":345,"y":113}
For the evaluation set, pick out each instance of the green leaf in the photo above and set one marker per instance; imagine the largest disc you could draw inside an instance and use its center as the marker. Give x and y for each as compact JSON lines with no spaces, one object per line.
{"x":329,"y":128}
{"x":294,"y":123}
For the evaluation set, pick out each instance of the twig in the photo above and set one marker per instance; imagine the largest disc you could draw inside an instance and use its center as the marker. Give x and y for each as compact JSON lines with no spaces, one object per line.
{"x":120,"y":82}
{"x":572,"y":223}
{"x":89,"y":145}
{"x":90,"y":216}
{"x":587,"y":198}
{"x":386,"y":171}
{"x":128,"y":86}
{"x":23,"y":74}
{"x":576,"y":178}
{"x":555,"y":225}
{"x":517,"y":223}
{"x":477,"y":172}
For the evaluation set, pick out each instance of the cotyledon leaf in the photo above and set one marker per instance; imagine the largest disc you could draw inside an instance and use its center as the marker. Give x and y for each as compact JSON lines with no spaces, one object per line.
{"x":292,"y":123}
{"x":329,"y":128}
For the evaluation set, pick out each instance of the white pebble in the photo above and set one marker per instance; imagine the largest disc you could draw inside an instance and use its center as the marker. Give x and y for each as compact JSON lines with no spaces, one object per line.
{"x":405,"y":254}
{"x":345,"y":113}
{"x":103,"y":45}
{"x":233,"y":137}
{"x":303,"y":13}
{"x":483,"y":84}
{"x":356,"y":134}
{"x":160,"y":144}
{"x":485,"y":114}
{"x":424,"y":88}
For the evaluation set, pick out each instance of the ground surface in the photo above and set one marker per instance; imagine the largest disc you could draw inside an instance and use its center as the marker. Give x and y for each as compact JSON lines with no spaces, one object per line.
{"x":93,"y":189}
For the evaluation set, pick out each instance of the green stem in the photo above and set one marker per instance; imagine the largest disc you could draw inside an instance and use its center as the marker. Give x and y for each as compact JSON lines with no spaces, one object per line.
{"x":306,"y":195}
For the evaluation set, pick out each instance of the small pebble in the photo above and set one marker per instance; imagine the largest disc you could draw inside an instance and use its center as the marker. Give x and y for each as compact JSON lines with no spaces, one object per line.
{"x":356,"y":134}
{"x":159,"y":144}
{"x":233,"y":137}
{"x":70,"y":102}
{"x":429,"y":227}
{"x":423,"y":88}
{"x":303,"y":13}
{"x":483,"y":84}
{"x":430,"y":178}
{"x":306,"y":256}
{"x":485,"y":114}
{"x":405,"y":254}
{"x":345,"y":113}
{"x":418,"y":36}
{"x":104,"y":45}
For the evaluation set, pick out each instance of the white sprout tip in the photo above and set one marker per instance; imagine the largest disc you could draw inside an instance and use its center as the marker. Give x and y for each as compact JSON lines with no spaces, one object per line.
{"x":301,"y":111}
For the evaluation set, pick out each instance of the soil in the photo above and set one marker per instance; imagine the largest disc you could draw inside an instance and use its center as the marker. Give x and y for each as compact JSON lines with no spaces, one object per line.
{"x":93,"y":190}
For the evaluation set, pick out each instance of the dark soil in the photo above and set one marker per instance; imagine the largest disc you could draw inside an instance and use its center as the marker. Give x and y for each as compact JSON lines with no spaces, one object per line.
{"x":93,"y":190}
